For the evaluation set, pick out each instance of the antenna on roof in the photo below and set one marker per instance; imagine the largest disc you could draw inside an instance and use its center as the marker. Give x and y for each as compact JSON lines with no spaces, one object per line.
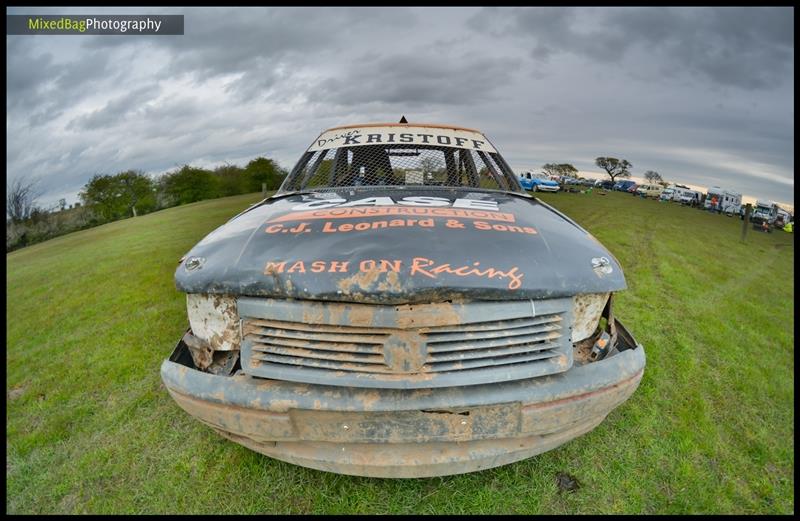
{"x":403,"y":120}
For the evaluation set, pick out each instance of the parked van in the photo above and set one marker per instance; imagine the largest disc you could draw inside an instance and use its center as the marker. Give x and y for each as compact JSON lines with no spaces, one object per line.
{"x":680,"y":192}
{"x":653,"y":191}
{"x":691,"y":198}
{"x":764,"y":211}
{"x":667,"y":194}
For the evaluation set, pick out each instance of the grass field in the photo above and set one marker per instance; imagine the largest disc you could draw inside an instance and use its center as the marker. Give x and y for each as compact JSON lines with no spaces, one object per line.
{"x":90,"y":428}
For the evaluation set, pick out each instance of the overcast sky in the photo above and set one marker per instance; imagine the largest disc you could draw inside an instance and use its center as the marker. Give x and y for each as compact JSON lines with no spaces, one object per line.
{"x":701,"y":95}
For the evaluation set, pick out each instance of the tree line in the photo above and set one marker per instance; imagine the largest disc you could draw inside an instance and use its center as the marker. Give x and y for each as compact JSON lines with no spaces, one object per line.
{"x":615,"y":168}
{"x":622,"y":168}
{"x":108,"y":197}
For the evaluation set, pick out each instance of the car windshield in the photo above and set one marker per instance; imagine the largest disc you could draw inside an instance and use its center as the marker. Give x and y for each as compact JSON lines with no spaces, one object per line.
{"x":375,"y":159}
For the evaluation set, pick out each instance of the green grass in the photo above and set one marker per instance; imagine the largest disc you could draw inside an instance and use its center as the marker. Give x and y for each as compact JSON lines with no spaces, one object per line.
{"x":90,"y":428}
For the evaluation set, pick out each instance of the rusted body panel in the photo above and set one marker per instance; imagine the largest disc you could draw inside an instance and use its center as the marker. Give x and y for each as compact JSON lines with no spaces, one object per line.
{"x":405,"y":432}
{"x":404,"y":346}
{"x":401,"y":308}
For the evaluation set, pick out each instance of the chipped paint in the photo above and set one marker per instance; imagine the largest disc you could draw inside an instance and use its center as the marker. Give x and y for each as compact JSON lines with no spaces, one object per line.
{"x":425,"y":362}
{"x":586,"y":311}
{"x":362,"y":281}
{"x":214,"y":320}
{"x":395,"y":265}
{"x":420,"y":433}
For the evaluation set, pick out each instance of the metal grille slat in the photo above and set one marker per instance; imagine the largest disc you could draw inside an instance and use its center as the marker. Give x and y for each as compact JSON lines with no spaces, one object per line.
{"x":318,"y":363}
{"x":339,"y":347}
{"x":494,"y":325}
{"x":490,"y":362}
{"x":492,"y":342}
{"x":488,"y":335}
{"x":355,"y":338}
{"x":314,"y":328}
{"x":488,"y":353}
{"x":323,"y":355}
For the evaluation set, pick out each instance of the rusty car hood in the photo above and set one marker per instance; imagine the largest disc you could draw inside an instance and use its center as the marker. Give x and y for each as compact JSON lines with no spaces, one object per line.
{"x":400,"y":245}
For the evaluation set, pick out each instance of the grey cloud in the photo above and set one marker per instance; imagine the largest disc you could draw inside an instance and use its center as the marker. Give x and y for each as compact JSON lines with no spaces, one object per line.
{"x":413,"y":79}
{"x":670,"y":89}
{"x":245,"y":40}
{"x":748,"y":48}
{"x":42,"y":88}
{"x":115,"y":111}
{"x":29,"y":72}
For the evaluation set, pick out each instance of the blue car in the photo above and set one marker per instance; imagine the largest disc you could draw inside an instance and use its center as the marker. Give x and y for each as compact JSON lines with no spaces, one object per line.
{"x":538,"y":182}
{"x":623,"y":186}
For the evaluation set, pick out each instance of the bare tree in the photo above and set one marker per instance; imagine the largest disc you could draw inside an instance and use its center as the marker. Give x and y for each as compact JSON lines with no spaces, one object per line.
{"x":653,"y":177}
{"x":614,"y":167}
{"x":21,"y":198}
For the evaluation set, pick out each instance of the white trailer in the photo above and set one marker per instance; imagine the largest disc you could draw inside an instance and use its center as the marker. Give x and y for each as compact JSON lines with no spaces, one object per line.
{"x":731,"y":202}
{"x":723,"y":201}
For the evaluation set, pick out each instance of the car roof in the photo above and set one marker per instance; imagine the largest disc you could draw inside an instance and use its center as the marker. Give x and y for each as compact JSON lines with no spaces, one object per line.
{"x":428,"y":125}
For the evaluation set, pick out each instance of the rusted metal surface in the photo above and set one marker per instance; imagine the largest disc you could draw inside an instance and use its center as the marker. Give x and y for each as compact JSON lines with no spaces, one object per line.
{"x":378,"y":318}
{"x":407,"y":433}
{"x":201,"y":351}
{"x":583,"y":349}
{"x":404,"y":346}
{"x":409,"y":460}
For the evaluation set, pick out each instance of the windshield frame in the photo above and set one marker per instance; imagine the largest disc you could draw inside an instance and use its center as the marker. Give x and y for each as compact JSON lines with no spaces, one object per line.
{"x":506,"y":180}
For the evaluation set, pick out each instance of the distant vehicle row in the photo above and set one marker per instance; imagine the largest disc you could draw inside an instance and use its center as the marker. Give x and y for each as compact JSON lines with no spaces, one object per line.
{"x":727,"y":202}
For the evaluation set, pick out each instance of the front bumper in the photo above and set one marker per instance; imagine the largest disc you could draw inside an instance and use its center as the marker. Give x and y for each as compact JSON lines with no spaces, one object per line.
{"x":547,"y":188}
{"x":405,"y":433}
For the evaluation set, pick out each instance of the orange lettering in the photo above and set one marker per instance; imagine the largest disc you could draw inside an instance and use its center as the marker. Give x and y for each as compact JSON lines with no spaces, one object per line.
{"x":274,"y":267}
{"x":341,"y":267}
{"x":297,"y":266}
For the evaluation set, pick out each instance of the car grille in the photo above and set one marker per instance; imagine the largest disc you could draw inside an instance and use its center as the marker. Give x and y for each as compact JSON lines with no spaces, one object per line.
{"x":432,"y":345}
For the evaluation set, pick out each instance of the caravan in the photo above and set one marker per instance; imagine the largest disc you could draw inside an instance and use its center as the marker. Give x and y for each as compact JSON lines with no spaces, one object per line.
{"x":723,"y":201}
